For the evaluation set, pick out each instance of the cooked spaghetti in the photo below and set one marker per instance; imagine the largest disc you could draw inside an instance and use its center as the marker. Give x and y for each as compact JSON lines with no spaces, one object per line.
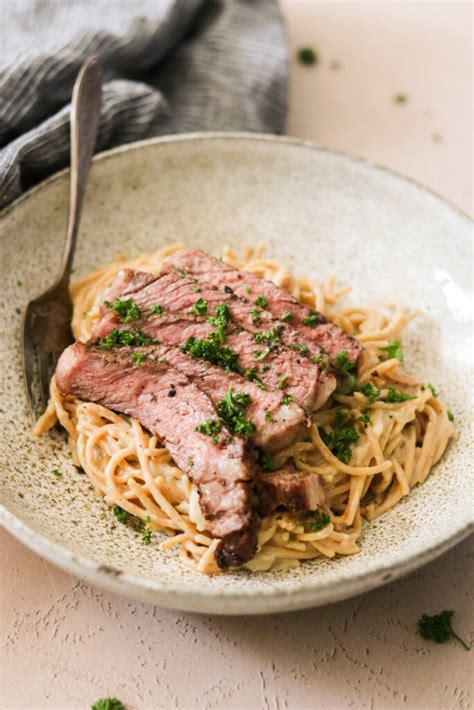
{"x":396,"y":437}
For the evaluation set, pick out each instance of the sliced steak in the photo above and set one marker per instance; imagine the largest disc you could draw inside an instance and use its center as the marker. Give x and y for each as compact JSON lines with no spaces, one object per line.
{"x":290,"y":489}
{"x":233,"y":550}
{"x":276,"y":425}
{"x":170,"y":406}
{"x":175,"y":295}
{"x":313,"y":326}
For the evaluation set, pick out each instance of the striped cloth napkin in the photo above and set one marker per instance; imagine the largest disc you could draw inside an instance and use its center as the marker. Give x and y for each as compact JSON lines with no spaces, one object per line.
{"x":170,"y":66}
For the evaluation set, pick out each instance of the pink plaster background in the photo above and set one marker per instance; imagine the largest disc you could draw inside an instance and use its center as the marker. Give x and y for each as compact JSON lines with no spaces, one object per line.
{"x":65,"y":643}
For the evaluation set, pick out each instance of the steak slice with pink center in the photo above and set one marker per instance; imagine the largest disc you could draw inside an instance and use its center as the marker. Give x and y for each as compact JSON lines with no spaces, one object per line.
{"x":312,"y":325}
{"x":276,"y":424}
{"x":171,"y":407}
{"x":167,"y":305}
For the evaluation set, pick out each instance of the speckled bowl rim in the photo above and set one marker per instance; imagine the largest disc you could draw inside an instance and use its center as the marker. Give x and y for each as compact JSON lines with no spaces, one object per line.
{"x":267,"y":600}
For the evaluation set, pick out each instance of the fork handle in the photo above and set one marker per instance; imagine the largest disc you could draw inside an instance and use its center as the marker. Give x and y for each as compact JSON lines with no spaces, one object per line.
{"x":85,"y":114}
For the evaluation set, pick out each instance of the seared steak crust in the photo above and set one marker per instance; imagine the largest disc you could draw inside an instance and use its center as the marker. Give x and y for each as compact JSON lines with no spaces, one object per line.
{"x":290,"y":489}
{"x":230,"y":554}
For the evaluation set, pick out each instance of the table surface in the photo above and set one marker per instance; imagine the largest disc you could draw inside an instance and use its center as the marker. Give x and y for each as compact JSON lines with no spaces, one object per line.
{"x":65,"y":643}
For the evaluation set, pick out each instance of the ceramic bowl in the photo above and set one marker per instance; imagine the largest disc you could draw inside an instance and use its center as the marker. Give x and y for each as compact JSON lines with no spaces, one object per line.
{"x":318,"y":211}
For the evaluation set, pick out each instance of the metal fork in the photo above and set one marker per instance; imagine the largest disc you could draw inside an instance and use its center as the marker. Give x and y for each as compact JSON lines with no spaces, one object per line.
{"x":47,"y":320}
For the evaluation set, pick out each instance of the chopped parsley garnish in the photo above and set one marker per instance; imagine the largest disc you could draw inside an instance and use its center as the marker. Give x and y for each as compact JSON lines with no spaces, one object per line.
{"x":281,"y":381}
{"x":303,"y":349}
{"x":316,"y":520}
{"x":108,"y":704}
{"x":348,"y":385}
{"x":230,"y":410}
{"x":270,"y":337}
{"x":400,"y":98}
{"x":312,"y":320}
{"x":210,"y":350}
{"x":438,"y":628}
{"x":255,"y":315}
{"x":265,"y":367}
{"x":199,"y":308}
{"x":220,"y":319}
{"x":133,"y":522}
{"x":119,"y":338}
{"x":394,"y":396}
{"x":369,"y":391}
{"x":321,"y":360}
{"x":126,"y":309}
{"x":433,"y":391}
{"x":121,"y":514}
{"x":365,"y":418}
{"x":138,"y":358}
{"x":343,"y":435}
{"x":183,"y":273}
{"x":156,"y":308}
{"x":57,"y":474}
{"x":211,"y":427}
{"x":140,"y":337}
{"x":343,"y":363}
{"x":196,"y":289}
{"x":287,"y":399}
{"x":233,"y":403}
{"x":261,"y":301}
{"x":146,"y":536}
{"x":287,"y":315}
{"x":344,"y":366}
{"x":251,"y":374}
{"x":268,"y":417}
{"x":266,"y":461}
{"x":307,"y":56}
{"x":450,"y":416}
{"x":393,"y":349}
{"x":262,"y":354}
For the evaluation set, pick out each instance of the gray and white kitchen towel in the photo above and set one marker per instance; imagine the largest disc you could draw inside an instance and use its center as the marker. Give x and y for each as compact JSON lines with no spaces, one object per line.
{"x":170,"y":66}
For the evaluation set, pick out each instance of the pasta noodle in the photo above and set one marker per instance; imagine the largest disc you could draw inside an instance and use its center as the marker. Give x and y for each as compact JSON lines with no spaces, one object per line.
{"x":398,"y":442}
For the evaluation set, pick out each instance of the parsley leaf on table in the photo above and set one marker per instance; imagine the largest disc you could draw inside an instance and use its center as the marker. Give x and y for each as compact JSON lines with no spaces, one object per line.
{"x":438,"y":628}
